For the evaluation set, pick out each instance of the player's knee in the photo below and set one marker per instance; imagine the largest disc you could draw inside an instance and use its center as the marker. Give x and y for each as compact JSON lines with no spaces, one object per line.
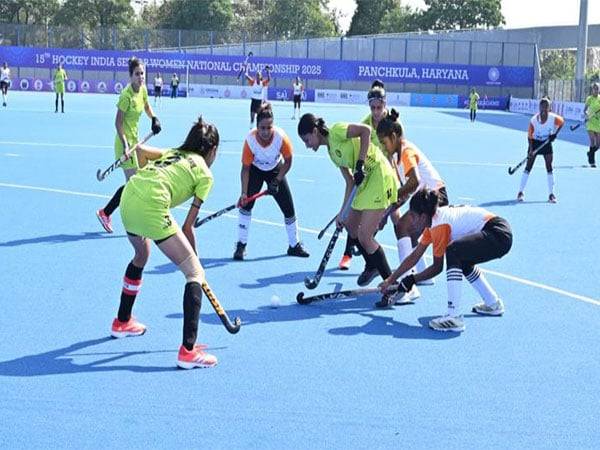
{"x":452,"y":258}
{"x":192,"y":270}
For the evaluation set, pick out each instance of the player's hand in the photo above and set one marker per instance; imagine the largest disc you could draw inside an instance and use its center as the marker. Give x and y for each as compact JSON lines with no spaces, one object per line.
{"x":552,"y":137}
{"x":339,"y":222}
{"x":155,"y":125}
{"x":243,"y":200}
{"x":359,"y":173}
{"x":384,"y":286}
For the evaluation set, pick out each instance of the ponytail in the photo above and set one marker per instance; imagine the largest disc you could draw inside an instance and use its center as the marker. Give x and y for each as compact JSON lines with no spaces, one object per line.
{"x":201,"y":138}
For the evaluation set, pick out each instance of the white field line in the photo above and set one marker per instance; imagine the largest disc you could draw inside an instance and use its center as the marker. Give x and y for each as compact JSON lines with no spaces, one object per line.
{"x":524,"y":281}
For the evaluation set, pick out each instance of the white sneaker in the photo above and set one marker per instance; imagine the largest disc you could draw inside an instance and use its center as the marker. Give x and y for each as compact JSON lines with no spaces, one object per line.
{"x":497,"y":309}
{"x":448,"y":323}
{"x":413,"y":294}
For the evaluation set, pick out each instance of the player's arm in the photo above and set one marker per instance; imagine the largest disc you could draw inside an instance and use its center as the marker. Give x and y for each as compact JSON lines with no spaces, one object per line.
{"x":146,"y":153}
{"x":349,"y":179}
{"x":412,"y":183}
{"x":363,"y":132}
{"x":244,"y":178}
{"x":188,"y":225}
{"x":149,"y":110}
{"x":120,"y":131}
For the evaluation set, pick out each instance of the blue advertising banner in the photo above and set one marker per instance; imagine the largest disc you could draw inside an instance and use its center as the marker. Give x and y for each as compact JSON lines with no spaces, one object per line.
{"x":277,"y":93}
{"x":437,"y":100}
{"x":321,"y":69}
{"x":485,"y":102}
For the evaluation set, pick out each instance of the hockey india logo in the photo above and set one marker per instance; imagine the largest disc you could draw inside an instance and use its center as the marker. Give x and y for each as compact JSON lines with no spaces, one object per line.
{"x":338,"y":152}
{"x":493,"y":74}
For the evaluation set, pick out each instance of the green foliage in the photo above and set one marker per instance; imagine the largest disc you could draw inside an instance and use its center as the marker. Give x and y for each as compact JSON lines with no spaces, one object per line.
{"x":400,"y":19}
{"x":213,"y":15}
{"x":369,"y":14}
{"x":28,"y":11}
{"x":557,"y":64}
{"x":461,"y":14}
{"x":95,"y":13}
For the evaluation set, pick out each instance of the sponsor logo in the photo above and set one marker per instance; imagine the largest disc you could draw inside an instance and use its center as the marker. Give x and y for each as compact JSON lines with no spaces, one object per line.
{"x":493,"y":74}
{"x":24,"y":84}
{"x":118,"y":87}
{"x":85,"y":86}
{"x":101,"y":87}
{"x":38,"y":84}
{"x":71,"y":86}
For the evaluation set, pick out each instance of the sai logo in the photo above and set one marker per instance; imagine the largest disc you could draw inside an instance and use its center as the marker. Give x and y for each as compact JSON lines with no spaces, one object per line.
{"x":118,"y":87}
{"x":85,"y":86}
{"x":493,"y":74}
{"x":38,"y":84}
{"x":24,"y":84}
{"x":101,"y":87}
{"x":71,"y":86}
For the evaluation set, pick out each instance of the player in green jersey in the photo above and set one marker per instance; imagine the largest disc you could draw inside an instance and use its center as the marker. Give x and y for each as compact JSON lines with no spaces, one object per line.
{"x":350,"y":148}
{"x":473,"y":99}
{"x":60,"y":76}
{"x":592,"y":117}
{"x":167,"y":179}
{"x":132,"y":102}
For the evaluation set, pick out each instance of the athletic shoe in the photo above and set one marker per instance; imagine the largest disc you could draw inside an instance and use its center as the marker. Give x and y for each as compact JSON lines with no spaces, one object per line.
{"x":590,"y":156}
{"x":345,"y":262}
{"x":105,"y":220}
{"x":297,"y":250}
{"x":413,"y":294}
{"x":4,"y":104}
{"x":497,"y":309}
{"x":448,"y":323}
{"x":552,"y":198}
{"x":240,"y":251}
{"x":124,"y":329}
{"x":188,"y":359}
{"x":367,"y":276}
{"x":520,"y":197}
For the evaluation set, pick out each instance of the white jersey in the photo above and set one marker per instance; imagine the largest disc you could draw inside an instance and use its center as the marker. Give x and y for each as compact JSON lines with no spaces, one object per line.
{"x":297,"y":89}
{"x":450,"y":223}
{"x":258,"y":91}
{"x":5,"y":74}
{"x":158,"y":82}
{"x":542,"y":130}
{"x":413,"y":158}
{"x":266,"y":157}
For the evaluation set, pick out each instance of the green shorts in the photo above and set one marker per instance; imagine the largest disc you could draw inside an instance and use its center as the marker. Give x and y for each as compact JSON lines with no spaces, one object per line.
{"x":146,"y":218}
{"x":132,"y":163}
{"x":593,"y":125}
{"x":379,"y":189}
{"x":59,"y":88}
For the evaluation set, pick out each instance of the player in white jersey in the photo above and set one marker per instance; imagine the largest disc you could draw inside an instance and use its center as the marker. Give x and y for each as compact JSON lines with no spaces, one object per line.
{"x":158,"y":85}
{"x":4,"y":82}
{"x":415,"y":172}
{"x":267,"y":157}
{"x":259,"y":91}
{"x":298,"y":88}
{"x":465,"y":236}
{"x":543,"y":127}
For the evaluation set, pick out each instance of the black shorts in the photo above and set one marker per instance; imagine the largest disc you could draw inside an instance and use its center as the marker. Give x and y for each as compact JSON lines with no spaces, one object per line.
{"x":255,"y":105}
{"x":258,"y":177}
{"x":545,"y":150}
{"x":157,"y":91}
{"x":297,"y":100}
{"x":4,"y":85}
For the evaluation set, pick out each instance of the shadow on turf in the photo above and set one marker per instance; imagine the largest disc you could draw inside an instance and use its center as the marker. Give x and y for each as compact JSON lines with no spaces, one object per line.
{"x":61,"y":361}
{"x":364,"y":306}
{"x":209,"y":263}
{"x":510,"y":202}
{"x":61,"y":239}
{"x":294,"y":278}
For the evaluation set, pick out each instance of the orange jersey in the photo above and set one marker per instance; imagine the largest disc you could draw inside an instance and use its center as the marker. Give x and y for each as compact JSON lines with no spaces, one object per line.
{"x":411,"y":158}
{"x":266,"y":157}
{"x":450,"y":223}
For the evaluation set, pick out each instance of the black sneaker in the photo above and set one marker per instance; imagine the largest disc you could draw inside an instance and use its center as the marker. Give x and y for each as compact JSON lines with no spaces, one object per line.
{"x":297,"y":250}
{"x":240,"y":251}
{"x":367,"y":276}
{"x":590,"y":156}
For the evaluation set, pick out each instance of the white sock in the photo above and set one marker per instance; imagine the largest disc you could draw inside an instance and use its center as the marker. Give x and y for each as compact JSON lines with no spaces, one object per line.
{"x":404,"y":249}
{"x":524,"y":178}
{"x":291,"y":226}
{"x":481,"y":285}
{"x":550,"y":183}
{"x":454,"y":283}
{"x":244,"y":225}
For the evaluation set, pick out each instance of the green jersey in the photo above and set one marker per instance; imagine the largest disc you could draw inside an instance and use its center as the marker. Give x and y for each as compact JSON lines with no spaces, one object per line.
{"x":368,"y":120}
{"x":473,"y":99}
{"x":60,"y":76}
{"x":344,"y":151}
{"x":172,"y":179}
{"x":132,"y":104}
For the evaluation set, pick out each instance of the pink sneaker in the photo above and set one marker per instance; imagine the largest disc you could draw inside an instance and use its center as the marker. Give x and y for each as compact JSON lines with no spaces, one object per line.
{"x":104,"y":220}
{"x":124,"y":329}
{"x":187,"y":359}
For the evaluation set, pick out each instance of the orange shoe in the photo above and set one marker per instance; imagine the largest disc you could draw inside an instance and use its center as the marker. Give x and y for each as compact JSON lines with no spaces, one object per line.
{"x":187,"y":359}
{"x":104,"y":220}
{"x":345,"y":262}
{"x":124,"y":329}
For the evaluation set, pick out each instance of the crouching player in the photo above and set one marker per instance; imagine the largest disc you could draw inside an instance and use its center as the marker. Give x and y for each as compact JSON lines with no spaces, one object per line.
{"x":167,"y":179}
{"x":466,"y":236}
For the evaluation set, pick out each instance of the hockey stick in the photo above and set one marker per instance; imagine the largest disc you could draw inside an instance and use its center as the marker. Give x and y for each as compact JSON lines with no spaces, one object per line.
{"x":322,"y":232}
{"x":301,"y":299}
{"x":100,"y":175}
{"x":212,"y":298}
{"x":313,"y":282}
{"x":577,"y":125}
{"x":244,"y":66}
{"x":512,"y":170}
{"x":229,"y":208}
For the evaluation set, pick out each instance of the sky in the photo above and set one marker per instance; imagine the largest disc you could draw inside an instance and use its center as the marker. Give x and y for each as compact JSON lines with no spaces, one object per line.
{"x":517,"y":13}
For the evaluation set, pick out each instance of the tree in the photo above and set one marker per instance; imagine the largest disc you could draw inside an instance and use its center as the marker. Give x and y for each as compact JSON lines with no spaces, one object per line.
{"x":400,"y":19}
{"x":461,"y":14}
{"x":208,"y":15}
{"x":368,"y":15}
{"x":557,"y":65}
{"x":28,"y":11}
{"x":95,"y":13}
